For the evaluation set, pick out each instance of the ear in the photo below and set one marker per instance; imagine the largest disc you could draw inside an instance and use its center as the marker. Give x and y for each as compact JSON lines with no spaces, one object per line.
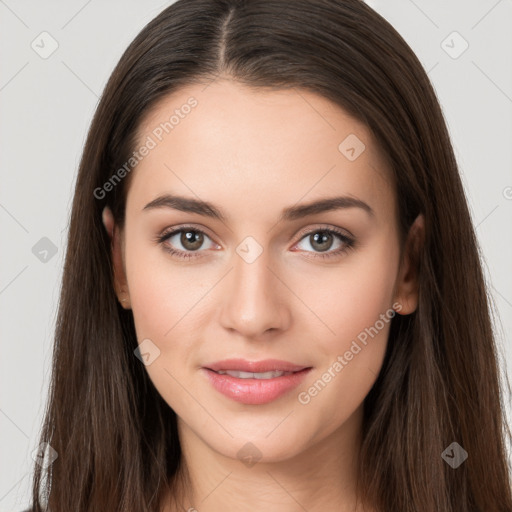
{"x":407,"y":284}
{"x":120,"y":283}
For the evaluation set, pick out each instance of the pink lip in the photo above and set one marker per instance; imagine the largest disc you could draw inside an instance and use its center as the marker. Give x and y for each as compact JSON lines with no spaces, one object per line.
{"x":255,"y":391}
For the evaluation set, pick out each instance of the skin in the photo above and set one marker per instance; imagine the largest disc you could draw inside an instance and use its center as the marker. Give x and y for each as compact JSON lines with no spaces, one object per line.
{"x":253,"y":153}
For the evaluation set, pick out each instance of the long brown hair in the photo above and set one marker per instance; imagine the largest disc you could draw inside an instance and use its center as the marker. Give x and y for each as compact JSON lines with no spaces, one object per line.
{"x":115,"y":436}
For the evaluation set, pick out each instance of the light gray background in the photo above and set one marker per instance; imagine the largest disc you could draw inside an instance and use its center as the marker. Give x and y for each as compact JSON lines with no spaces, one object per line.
{"x":46,"y":108}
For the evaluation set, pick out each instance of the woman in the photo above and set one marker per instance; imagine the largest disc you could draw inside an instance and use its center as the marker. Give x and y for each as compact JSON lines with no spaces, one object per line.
{"x":272,"y":295}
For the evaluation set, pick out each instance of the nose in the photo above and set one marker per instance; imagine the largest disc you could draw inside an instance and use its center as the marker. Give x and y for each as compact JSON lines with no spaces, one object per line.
{"x":255,"y":300}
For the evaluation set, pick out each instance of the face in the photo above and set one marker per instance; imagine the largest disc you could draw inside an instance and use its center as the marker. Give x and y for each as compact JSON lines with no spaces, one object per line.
{"x":255,"y":276}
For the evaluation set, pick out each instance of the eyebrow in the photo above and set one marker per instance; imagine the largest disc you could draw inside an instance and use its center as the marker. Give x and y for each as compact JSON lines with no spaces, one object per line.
{"x":191,"y":205}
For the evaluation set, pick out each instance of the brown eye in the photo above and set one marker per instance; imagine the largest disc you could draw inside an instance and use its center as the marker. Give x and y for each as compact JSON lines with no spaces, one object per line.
{"x":191,"y":240}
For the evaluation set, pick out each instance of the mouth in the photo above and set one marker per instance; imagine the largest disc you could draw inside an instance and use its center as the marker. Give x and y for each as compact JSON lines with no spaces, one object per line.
{"x":268,"y":380}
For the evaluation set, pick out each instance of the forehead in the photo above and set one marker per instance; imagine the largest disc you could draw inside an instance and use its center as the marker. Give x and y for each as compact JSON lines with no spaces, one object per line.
{"x":249,"y":150}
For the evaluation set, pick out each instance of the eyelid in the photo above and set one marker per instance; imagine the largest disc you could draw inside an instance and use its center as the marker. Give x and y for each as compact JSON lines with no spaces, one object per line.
{"x":182,"y":227}
{"x":327,"y":227}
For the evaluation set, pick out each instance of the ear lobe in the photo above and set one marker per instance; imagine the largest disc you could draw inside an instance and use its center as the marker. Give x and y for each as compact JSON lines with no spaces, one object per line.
{"x":407,"y":285}
{"x":120,"y":284}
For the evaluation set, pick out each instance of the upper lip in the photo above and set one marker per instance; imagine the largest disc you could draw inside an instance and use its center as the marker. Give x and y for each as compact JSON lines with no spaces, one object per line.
{"x":266,"y":365}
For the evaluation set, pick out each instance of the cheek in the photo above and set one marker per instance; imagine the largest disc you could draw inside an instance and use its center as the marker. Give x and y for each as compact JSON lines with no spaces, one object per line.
{"x":162,"y":299}
{"x":356,"y":305}
{"x":161,"y":292}
{"x":351,"y":297}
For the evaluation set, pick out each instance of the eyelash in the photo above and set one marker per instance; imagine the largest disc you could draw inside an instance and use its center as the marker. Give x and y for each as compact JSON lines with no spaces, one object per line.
{"x":348,"y":242}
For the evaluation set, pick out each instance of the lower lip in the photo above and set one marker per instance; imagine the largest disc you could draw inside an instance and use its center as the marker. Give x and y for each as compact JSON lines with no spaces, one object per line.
{"x":255,"y":391}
